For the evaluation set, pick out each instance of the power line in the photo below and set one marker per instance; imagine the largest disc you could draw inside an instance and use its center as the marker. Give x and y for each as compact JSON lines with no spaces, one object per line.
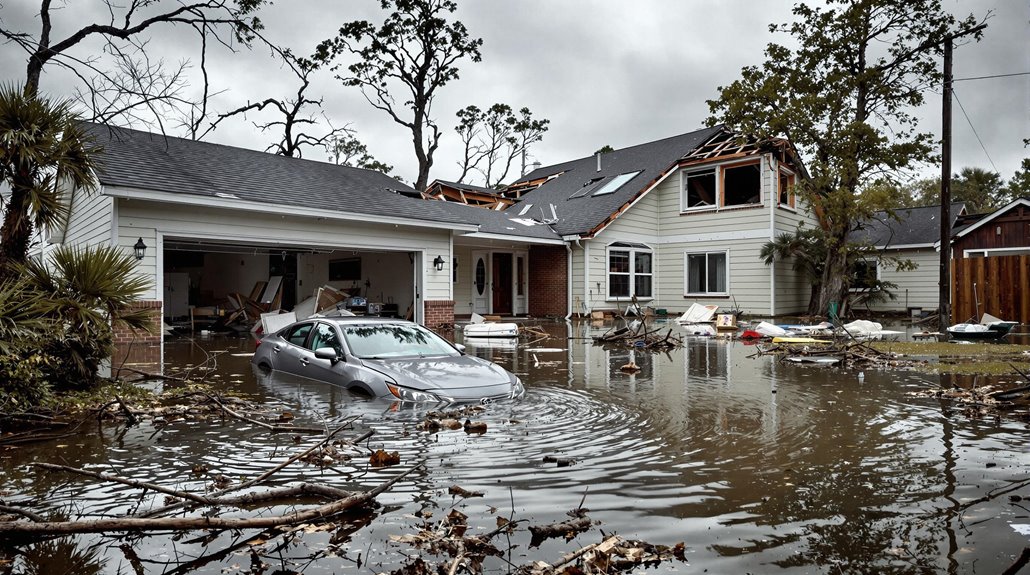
{"x":970,"y":122}
{"x":994,"y":76}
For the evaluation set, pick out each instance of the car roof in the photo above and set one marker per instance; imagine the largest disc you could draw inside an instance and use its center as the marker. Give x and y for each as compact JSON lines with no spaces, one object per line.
{"x":351,"y":320}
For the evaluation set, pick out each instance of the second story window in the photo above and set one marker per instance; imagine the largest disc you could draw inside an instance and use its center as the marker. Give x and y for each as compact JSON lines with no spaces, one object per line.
{"x":786,"y":189}
{"x":728,"y":186}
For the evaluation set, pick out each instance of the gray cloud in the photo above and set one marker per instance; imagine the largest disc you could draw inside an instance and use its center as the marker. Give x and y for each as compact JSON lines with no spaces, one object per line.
{"x":603,"y":72}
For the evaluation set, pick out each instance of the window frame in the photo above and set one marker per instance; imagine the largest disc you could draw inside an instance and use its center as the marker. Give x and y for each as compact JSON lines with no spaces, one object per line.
{"x":611,"y":182}
{"x":858,"y":289}
{"x":686,"y":273}
{"x":791,"y":203}
{"x":632,"y":249}
{"x":720,"y":185}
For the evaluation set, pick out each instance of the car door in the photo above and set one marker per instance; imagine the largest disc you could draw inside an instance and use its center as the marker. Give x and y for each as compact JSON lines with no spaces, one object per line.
{"x":325,"y":334}
{"x":293,"y":354}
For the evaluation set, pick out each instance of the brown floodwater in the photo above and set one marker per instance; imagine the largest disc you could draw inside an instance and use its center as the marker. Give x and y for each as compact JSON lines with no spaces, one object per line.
{"x":757,"y":466}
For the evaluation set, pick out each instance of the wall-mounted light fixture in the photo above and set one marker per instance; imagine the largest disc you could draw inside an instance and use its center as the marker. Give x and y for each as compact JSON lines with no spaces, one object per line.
{"x":140,"y":249}
{"x":438,"y":262}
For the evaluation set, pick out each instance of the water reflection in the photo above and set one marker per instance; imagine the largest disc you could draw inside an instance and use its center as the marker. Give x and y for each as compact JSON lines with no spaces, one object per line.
{"x":755,"y":464}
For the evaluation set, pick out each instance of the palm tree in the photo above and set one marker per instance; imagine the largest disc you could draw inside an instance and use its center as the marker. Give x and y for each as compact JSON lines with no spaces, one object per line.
{"x":42,"y":148}
{"x":806,"y":251}
{"x":87,"y":290}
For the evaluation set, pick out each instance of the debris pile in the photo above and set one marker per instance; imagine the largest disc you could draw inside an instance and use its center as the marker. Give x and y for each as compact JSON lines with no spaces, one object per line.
{"x":637,"y":335}
{"x":852,"y":354}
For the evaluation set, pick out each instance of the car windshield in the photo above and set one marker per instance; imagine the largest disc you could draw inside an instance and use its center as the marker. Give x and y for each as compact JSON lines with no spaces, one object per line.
{"x":394,"y":340}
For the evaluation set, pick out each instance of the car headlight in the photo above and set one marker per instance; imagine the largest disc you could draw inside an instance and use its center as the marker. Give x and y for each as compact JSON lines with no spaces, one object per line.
{"x":517,"y":389}
{"x":405,"y":394}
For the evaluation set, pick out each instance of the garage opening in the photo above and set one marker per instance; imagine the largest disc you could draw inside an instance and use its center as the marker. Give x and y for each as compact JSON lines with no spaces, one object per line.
{"x":228,"y":286}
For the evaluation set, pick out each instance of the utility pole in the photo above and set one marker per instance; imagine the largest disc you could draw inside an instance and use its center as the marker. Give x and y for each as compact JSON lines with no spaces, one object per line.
{"x":944,"y":293}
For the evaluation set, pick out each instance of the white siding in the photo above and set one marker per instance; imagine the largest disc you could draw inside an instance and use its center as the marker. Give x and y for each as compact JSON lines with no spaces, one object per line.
{"x":916,"y":288}
{"x":91,"y":220}
{"x":463,"y":289}
{"x":148,"y":219}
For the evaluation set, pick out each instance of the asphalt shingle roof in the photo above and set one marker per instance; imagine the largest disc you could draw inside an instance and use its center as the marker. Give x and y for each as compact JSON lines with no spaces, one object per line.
{"x":147,"y":161}
{"x":911,"y":226}
{"x":581,"y":215}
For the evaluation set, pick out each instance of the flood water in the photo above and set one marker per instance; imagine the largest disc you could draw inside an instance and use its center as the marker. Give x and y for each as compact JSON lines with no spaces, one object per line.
{"x":757,"y":466}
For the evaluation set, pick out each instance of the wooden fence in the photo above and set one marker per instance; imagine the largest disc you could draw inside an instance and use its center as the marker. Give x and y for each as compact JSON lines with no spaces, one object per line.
{"x":998,"y":285}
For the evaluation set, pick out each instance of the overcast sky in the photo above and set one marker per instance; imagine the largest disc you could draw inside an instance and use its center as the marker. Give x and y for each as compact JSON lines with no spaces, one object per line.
{"x":602,"y":71}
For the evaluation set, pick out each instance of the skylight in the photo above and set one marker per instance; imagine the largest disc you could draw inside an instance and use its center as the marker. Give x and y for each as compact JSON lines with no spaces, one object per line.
{"x":587,"y":188}
{"x":616,"y":183}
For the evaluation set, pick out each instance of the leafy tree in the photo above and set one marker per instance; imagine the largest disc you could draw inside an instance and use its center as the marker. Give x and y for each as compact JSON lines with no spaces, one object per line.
{"x":494,"y":138}
{"x":414,"y":52}
{"x":605,"y":149}
{"x":978,"y":188}
{"x":844,"y":96}
{"x":1019,"y":185}
{"x":41,"y":148}
{"x":347,"y":150}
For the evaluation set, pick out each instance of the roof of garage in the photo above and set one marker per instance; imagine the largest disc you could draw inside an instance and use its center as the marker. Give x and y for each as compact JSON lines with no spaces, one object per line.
{"x":187,"y":168}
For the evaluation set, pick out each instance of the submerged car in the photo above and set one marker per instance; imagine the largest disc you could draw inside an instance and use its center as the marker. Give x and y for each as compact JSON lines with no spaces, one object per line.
{"x":383,"y":357}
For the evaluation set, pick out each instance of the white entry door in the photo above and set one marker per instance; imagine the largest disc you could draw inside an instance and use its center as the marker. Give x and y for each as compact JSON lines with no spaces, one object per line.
{"x":521,"y":278}
{"x":481,"y":280}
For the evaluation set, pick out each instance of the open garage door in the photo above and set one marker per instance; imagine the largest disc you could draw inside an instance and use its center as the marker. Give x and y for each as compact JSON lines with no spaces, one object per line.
{"x":224,"y":284}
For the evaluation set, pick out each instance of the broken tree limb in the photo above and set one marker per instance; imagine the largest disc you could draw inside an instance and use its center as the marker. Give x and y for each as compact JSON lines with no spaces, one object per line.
{"x":274,"y":428}
{"x":127,"y":481}
{"x":23,"y":512}
{"x":563,"y":529}
{"x":269,"y":473}
{"x":187,"y":523}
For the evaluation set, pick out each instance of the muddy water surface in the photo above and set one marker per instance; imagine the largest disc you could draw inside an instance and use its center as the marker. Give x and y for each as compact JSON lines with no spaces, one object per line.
{"x":757,"y":466}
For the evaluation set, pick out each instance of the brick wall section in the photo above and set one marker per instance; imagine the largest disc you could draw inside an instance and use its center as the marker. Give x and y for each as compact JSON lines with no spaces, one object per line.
{"x":126,"y":341}
{"x":439,"y":312}
{"x":548,"y":281}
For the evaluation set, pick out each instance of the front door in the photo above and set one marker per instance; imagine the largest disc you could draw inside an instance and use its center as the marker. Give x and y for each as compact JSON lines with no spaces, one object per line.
{"x":503,"y":281}
{"x":480,"y":282}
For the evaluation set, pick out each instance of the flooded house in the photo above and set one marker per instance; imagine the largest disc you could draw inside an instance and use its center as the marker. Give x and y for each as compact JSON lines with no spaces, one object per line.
{"x":671,"y":222}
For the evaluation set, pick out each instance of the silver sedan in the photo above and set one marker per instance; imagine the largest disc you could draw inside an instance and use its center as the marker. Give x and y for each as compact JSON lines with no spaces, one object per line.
{"x":383,"y":357}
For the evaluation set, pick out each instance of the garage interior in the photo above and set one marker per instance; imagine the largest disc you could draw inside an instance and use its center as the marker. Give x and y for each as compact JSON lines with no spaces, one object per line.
{"x":210,"y":285}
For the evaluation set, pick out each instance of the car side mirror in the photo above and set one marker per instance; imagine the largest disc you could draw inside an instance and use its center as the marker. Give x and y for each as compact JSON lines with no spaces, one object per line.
{"x":327,"y":353}
{"x":460,"y":347}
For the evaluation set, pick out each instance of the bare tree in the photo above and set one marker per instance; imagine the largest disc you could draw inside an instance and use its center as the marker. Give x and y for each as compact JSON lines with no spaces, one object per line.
{"x":415,"y":51}
{"x":347,"y":150}
{"x":494,"y":138}
{"x":296,"y":121}
{"x":134,"y":84}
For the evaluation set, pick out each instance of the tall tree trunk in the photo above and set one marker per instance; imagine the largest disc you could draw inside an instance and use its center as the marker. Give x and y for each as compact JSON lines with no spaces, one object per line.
{"x":17,"y":229}
{"x":834,"y":284}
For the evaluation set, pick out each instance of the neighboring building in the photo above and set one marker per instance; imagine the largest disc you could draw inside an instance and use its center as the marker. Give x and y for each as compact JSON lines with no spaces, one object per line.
{"x":910,"y":234}
{"x":675,"y":221}
{"x":671,"y":222}
{"x":991,"y":266}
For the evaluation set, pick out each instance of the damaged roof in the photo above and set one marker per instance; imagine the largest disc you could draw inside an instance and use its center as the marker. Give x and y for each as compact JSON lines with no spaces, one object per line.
{"x":910,"y":226}
{"x":586,"y":192}
{"x":147,"y":161}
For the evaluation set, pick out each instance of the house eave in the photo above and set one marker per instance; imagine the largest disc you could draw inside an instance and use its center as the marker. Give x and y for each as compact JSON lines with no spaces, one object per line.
{"x":130,"y":193}
{"x":519,"y":239}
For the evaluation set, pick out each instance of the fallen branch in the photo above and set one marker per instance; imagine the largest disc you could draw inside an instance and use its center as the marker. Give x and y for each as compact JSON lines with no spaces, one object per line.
{"x":563,"y":529}
{"x":23,"y":512}
{"x":176,"y":523}
{"x":126,"y":481}
{"x":267,"y":474}
{"x":276,"y":428}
